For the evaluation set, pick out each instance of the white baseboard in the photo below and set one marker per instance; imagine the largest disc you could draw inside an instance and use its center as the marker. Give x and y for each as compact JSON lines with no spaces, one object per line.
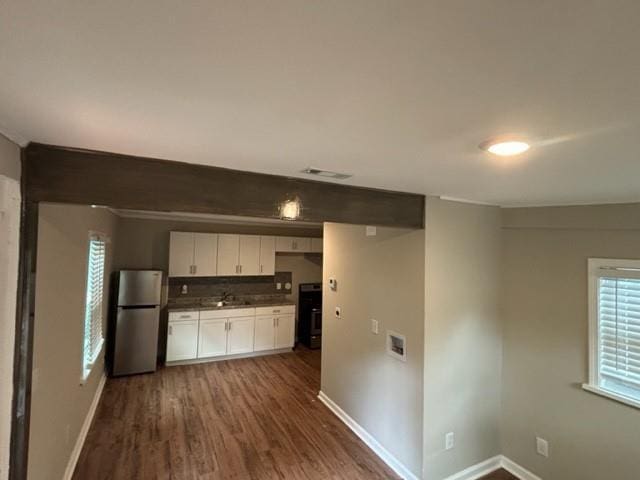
{"x":492,"y":464}
{"x":516,"y":470}
{"x":82,"y":436}
{"x":366,"y":437}
{"x":478,"y":470}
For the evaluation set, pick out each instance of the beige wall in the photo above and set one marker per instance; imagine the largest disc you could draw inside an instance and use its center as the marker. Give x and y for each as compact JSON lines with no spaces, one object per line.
{"x":9,"y":236}
{"x":463,"y":357}
{"x":144,"y":243}
{"x":59,"y":404}
{"x":379,"y":277}
{"x":545,"y":343}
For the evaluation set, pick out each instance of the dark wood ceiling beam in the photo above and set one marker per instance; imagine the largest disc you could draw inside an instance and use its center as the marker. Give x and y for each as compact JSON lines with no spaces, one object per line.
{"x":70,"y":175}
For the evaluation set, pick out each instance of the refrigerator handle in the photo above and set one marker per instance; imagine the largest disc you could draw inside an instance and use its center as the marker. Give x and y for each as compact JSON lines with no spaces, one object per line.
{"x":170,"y":330}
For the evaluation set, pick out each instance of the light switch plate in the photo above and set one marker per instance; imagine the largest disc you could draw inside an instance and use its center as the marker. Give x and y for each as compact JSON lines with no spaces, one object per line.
{"x":374,"y":326}
{"x":542,"y":447}
{"x":449,"y":441}
{"x":371,"y":231}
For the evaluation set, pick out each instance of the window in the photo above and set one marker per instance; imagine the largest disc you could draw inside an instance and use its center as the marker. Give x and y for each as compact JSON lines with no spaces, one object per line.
{"x":93,"y":338}
{"x":614,"y":329}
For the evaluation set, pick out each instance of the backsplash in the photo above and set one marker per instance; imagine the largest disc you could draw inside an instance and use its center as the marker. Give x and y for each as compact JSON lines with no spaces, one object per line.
{"x":239,"y":287}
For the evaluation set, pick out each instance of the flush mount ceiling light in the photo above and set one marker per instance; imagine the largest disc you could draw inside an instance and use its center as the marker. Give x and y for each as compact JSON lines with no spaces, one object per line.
{"x":290,"y":209}
{"x":325,"y":173}
{"x":505,"y":147}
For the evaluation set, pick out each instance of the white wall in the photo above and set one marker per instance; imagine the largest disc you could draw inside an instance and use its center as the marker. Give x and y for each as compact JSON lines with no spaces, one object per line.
{"x":546,"y":343}
{"x":380,"y":277}
{"x":9,"y":238}
{"x":59,"y":403}
{"x":463,"y":345}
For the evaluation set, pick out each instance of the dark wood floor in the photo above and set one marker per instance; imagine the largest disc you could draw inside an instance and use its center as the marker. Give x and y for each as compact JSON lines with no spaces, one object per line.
{"x":253,"y":418}
{"x":499,"y":475}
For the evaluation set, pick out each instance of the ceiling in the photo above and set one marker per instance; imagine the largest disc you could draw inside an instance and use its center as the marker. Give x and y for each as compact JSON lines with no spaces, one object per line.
{"x":398,"y":93}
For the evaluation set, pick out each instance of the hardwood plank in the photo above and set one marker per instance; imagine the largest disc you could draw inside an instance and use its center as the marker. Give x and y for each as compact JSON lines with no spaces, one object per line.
{"x":256,"y":418}
{"x":71,"y":175}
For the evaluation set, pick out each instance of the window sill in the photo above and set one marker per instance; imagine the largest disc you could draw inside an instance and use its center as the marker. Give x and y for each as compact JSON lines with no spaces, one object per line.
{"x":612,"y":395}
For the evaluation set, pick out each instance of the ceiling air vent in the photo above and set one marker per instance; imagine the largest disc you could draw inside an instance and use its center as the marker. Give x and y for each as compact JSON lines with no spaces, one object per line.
{"x":326,"y":173}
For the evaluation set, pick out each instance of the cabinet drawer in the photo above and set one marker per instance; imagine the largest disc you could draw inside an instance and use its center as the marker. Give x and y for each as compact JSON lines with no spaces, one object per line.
{"x":227,"y":313}
{"x":275,"y":310}
{"x":175,"y":316}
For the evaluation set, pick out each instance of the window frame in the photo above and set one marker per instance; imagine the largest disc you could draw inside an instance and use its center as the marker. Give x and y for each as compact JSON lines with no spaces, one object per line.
{"x":87,"y":369}
{"x":618,"y":268}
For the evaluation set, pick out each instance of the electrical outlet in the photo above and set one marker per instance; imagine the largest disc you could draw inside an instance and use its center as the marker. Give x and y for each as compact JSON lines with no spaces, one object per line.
{"x":449,"y":441}
{"x":374,"y":326}
{"x":338,"y":312}
{"x":542,"y":447}
{"x":278,"y":286}
{"x":185,"y":290}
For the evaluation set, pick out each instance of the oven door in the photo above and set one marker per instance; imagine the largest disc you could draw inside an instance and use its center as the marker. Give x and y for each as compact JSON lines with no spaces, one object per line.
{"x":316,"y":321}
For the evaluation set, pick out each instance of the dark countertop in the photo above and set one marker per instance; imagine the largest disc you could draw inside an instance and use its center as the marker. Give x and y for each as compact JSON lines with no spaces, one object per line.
{"x":194,"y":307}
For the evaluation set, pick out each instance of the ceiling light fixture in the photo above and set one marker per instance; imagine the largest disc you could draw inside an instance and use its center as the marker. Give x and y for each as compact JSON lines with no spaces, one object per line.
{"x":505,"y":147}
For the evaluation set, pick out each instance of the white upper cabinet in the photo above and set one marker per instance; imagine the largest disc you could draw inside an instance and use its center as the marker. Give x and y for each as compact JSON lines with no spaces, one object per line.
{"x":181,"y":254}
{"x":267,"y":255}
{"x":228,"y":254}
{"x":192,"y":254}
{"x":205,"y":254}
{"x":316,"y":245}
{"x":293,"y":244}
{"x":249,"y":261}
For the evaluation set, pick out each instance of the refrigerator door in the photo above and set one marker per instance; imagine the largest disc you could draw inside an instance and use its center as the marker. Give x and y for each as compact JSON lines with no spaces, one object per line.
{"x":136,"y":343}
{"x":139,"y":287}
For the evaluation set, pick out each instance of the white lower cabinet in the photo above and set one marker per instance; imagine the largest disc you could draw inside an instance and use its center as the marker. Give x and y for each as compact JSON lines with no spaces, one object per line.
{"x":265,"y":333}
{"x":240,"y":335}
{"x":285,"y":329}
{"x":214,"y":333}
{"x":182,"y":339}
{"x":212,"y":337}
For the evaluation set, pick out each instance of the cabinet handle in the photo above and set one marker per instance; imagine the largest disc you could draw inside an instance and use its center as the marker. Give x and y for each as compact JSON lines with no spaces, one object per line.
{"x":195,"y":269}
{"x":261,"y":268}
{"x":237,"y":269}
{"x":295,"y":245}
{"x":240,"y":268}
{"x":170,"y":330}
{"x":184,"y":316}
{"x":276,"y":311}
{"x":277,"y":321}
{"x":274,"y":322}
{"x":229,"y":326}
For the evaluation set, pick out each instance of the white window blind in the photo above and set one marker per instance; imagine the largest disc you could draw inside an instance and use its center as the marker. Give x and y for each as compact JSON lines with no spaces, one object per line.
{"x":619,"y":332}
{"x":93,"y":338}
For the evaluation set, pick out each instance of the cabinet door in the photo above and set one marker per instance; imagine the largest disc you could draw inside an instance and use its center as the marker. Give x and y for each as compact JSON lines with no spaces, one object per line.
{"x":240,"y":335}
{"x":212,"y":337}
{"x":228,"y":251}
{"x":180,"y":254}
{"x":267,"y":255}
{"x":316,"y":245}
{"x":285,"y":330}
{"x":205,"y":256}
{"x":249,"y":255}
{"x":182,"y":340}
{"x":301,"y":244}
{"x":284,"y":244}
{"x":264,"y":333}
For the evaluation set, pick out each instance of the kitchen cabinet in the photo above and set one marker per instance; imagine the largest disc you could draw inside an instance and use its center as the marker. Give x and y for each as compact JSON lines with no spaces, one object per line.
{"x":285,"y":331}
{"x":264,"y":333}
{"x":316,"y":245}
{"x":228,"y":254}
{"x":240,"y":335}
{"x":293,"y":244}
{"x":212,"y":337}
{"x":182,"y":339}
{"x":249,"y":256}
{"x":193,"y":254}
{"x":238,"y":255}
{"x":232,"y":331}
{"x":267,"y":255}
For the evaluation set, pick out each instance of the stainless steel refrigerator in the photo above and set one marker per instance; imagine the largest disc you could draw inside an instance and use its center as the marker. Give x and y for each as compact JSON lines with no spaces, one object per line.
{"x":137,"y":320}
